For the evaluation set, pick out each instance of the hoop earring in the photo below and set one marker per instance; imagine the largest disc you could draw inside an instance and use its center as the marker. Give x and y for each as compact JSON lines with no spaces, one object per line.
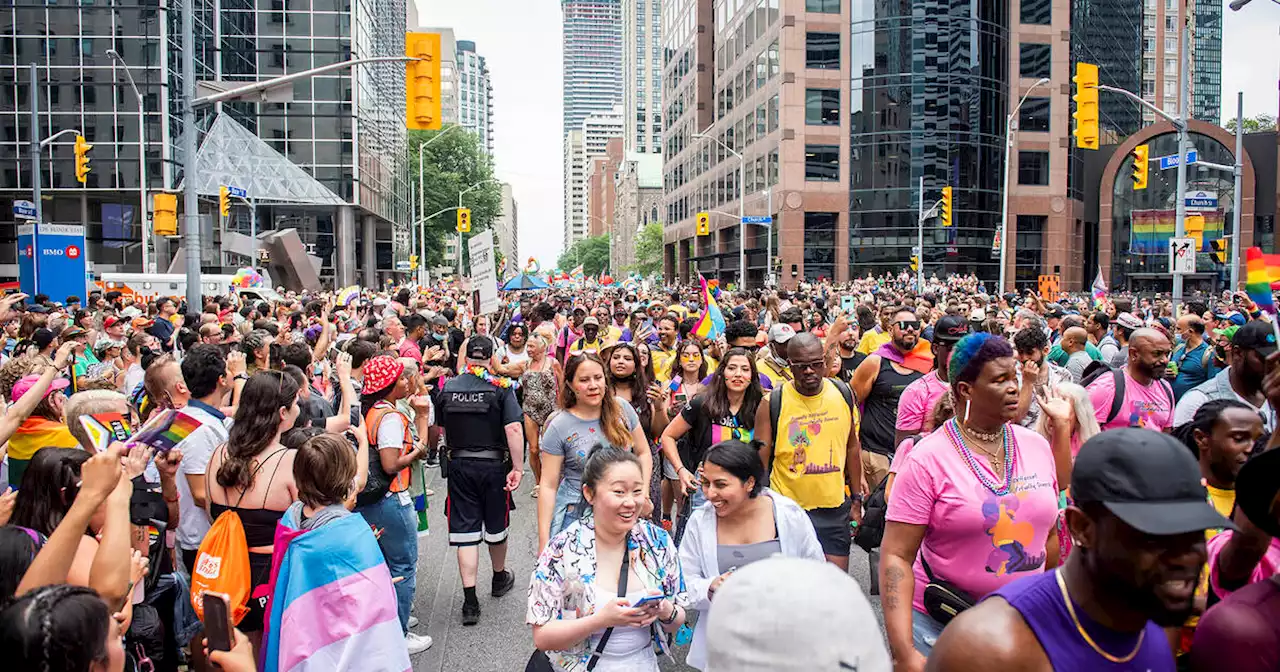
{"x":966,"y":412}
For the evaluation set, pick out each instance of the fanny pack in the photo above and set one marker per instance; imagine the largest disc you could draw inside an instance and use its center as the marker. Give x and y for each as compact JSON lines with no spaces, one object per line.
{"x":942,"y":599}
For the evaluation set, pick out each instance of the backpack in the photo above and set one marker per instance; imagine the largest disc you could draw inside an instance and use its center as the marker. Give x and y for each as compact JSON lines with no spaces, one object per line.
{"x":775,"y":410}
{"x":1096,"y":370}
{"x":222,"y":566}
{"x":874,"y":511}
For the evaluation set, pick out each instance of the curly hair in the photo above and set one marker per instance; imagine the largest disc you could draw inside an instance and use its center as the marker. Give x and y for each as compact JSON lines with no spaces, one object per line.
{"x":973,"y":352}
{"x":14,"y":369}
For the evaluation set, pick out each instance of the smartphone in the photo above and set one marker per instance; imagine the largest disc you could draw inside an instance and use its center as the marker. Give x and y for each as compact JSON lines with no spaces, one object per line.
{"x":217,"y":621}
{"x":647,"y":600}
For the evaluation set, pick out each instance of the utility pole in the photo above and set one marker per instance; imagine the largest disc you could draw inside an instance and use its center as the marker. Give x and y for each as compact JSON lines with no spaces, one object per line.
{"x":1180,"y":223}
{"x":190,"y":199}
{"x":35,"y":178}
{"x":1239,"y":175}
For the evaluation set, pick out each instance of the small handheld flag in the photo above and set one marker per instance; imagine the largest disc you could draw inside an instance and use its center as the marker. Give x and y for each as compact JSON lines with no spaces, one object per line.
{"x":711,"y":323}
{"x":1258,"y":280}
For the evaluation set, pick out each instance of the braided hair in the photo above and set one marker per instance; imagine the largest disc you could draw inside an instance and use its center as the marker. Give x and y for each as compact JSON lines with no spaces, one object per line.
{"x":1205,"y":418}
{"x":59,"y":628}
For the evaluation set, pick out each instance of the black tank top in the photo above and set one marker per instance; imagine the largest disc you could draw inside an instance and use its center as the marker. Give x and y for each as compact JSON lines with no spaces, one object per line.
{"x":880,"y":410}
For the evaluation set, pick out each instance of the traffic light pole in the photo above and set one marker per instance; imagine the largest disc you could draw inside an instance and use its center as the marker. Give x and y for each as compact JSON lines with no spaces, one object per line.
{"x":1184,"y":143}
{"x":1239,"y":175}
{"x":35,"y":180}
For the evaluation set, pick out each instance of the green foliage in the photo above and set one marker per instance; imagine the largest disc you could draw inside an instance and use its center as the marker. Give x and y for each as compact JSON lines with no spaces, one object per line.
{"x":592,"y":253}
{"x":450,"y":165}
{"x":649,"y":250}
{"x":1262,"y":122}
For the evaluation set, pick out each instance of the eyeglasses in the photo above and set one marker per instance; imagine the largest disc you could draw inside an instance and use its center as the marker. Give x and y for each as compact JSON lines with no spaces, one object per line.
{"x":817,"y":365}
{"x":904,"y":325}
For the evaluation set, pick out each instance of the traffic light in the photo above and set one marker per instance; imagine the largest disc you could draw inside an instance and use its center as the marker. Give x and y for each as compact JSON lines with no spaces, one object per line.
{"x":915,"y":263}
{"x":1193,"y":226}
{"x":1220,"y":250}
{"x":1086,"y":97}
{"x":164,"y":214}
{"x":413,"y":262}
{"x":82,"y":159}
{"x":422,"y":81}
{"x":224,"y":201}
{"x":704,"y":223}
{"x":464,"y":220}
{"x":946,"y":214}
{"x":1141,"y":162}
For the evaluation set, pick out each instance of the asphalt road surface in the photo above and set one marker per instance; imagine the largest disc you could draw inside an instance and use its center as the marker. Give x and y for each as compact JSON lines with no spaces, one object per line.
{"x":501,"y":642}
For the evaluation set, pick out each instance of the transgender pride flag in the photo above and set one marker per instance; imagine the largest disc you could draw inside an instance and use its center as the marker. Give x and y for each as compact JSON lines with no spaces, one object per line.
{"x":332,"y":603}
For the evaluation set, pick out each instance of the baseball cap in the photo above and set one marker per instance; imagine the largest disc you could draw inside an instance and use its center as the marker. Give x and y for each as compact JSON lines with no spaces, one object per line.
{"x":131,"y":312}
{"x":1055,"y":310}
{"x":1256,"y":488}
{"x":791,"y":614}
{"x":72,"y":332}
{"x":479,"y":348}
{"x":1256,"y":335}
{"x":42,"y":337}
{"x":950,"y":329}
{"x":111,"y":321}
{"x":978,"y":315}
{"x":1128,"y":321}
{"x":1147,"y":479}
{"x":28,"y":381}
{"x":1229,"y":332}
{"x":142,"y":322}
{"x":591,"y":321}
{"x":781,"y":333}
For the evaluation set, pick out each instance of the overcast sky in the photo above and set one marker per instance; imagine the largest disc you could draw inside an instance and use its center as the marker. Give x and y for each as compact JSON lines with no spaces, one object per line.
{"x":522,"y":43}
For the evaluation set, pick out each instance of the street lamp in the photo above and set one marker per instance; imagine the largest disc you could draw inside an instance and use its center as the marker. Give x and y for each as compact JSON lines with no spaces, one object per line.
{"x":742,"y":200}
{"x":460,"y":194}
{"x":422,"y":205}
{"x":142,"y":161}
{"x":1008,"y":156}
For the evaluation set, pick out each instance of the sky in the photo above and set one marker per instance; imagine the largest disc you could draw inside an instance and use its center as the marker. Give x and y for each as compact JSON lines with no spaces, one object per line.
{"x":521,"y":41}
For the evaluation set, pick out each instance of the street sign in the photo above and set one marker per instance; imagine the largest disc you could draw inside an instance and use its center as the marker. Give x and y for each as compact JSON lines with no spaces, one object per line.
{"x":757,"y":220}
{"x":403,"y":266}
{"x":237,"y":192}
{"x":915,"y":250}
{"x":1202,"y":200}
{"x":1171,"y":161}
{"x":24,"y":209}
{"x":1182,"y":255}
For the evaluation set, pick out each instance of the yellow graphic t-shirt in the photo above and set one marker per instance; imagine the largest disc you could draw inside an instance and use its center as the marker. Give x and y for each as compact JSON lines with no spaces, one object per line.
{"x":662,"y":361}
{"x":809,"y":455}
{"x":1223,"y":501}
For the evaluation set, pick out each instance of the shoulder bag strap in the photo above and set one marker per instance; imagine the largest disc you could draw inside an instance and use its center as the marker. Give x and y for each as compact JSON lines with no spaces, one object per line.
{"x":622,"y":592}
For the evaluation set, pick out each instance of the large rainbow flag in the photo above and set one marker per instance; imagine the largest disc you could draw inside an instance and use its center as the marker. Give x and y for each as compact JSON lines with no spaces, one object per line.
{"x":1257,"y":281}
{"x":1150,"y":231}
{"x":333,"y":606}
{"x":711,"y":323}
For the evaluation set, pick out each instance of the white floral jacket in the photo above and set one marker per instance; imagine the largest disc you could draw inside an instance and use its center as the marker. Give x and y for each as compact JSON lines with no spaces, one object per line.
{"x":563,"y":582}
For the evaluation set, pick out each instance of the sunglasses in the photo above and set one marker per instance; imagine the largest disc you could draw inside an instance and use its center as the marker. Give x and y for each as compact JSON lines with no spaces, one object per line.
{"x":817,"y":365}
{"x":904,"y":325}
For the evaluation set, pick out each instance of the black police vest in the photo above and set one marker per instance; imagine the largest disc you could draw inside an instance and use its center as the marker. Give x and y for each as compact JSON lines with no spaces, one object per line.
{"x":473,"y":419}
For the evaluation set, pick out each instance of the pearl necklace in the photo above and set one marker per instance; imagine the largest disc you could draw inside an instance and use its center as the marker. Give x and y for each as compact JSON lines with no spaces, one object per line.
{"x":1010,"y":462}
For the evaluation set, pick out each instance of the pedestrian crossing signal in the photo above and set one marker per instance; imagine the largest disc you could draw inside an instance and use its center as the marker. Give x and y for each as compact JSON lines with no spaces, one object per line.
{"x":704,"y":223}
{"x":464,"y":220}
{"x":1220,"y":250}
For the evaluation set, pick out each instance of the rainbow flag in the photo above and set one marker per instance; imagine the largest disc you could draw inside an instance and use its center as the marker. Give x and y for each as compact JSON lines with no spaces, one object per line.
{"x":711,"y":323}
{"x":332,"y":606}
{"x":347,"y":295}
{"x":1258,"y":280}
{"x":166,"y":429}
{"x":1099,"y":290}
{"x":715,"y":288}
{"x":577,"y":274}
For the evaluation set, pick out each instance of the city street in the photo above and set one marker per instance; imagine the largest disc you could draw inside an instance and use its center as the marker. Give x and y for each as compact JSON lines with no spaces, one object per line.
{"x":501,"y":642}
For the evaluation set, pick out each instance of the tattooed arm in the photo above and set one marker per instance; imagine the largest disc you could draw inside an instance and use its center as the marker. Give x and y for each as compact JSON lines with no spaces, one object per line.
{"x":897,"y":586}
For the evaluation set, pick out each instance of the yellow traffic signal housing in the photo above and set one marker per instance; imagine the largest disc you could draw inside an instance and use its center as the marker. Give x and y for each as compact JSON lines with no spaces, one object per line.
{"x":1220,"y":250}
{"x":1086,"y":97}
{"x":164,"y":215}
{"x":947,"y":202}
{"x":1141,"y":163}
{"x":422,"y":82}
{"x":464,"y":220}
{"x":704,"y":223}
{"x":224,"y":201}
{"x":82,"y":159}
{"x":413,"y":262}
{"x":915,"y":263}
{"x":1193,"y":225}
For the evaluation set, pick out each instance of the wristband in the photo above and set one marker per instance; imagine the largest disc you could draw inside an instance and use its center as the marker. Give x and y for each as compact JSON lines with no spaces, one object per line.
{"x":241,"y":376}
{"x":675,"y":611}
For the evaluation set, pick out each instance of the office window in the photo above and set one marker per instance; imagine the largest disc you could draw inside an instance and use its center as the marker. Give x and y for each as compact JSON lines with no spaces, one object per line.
{"x":1033,"y":168}
{"x":1035,"y":12}
{"x":824,"y":6}
{"x":1034,"y":115}
{"x":1033,"y":59}
{"x":820,"y":245}
{"x":822,"y":51}
{"x":822,"y":163}
{"x":822,"y":107}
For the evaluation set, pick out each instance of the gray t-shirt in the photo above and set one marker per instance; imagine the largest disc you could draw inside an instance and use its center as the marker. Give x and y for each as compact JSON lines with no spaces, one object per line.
{"x":1077,"y":363}
{"x":573,"y":438}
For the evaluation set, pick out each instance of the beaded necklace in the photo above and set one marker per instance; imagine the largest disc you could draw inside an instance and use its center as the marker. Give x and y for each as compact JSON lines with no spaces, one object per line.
{"x":1010,"y":458}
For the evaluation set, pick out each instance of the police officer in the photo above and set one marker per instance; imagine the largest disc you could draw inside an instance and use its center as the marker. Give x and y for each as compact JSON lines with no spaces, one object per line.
{"x":482,"y":423}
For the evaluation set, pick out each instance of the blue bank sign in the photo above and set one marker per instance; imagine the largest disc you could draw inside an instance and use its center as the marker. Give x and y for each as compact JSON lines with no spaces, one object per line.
{"x":58,"y":270}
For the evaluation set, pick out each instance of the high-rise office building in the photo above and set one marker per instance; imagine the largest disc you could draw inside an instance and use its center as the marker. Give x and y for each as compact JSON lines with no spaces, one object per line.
{"x":592,"y":58}
{"x":331,"y":120}
{"x":475,"y":94}
{"x":581,"y":146}
{"x":642,"y":75}
{"x":1161,"y":39}
{"x":1106,"y":33}
{"x":506,"y":229}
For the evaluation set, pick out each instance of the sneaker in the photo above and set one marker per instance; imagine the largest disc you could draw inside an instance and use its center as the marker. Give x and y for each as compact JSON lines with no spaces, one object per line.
{"x":470,"y":613}
{"x":413,"y":621}
{"x":417,"y":643}
{"x":502,"y":586}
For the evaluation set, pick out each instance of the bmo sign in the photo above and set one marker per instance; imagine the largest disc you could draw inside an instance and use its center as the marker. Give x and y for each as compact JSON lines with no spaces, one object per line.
{"x":59,"y":269}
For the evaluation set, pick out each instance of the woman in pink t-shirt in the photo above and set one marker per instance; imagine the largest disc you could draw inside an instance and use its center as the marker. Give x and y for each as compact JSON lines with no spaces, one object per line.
{"x":976,"y":500}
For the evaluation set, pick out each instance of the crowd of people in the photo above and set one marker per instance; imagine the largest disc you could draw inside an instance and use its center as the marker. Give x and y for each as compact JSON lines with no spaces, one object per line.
{"x":1088,"y":483}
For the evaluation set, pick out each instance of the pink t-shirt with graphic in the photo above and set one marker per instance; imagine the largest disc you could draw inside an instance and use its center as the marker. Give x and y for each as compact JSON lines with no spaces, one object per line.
{"x":1147,"y":406}
{"x":916,"y":403}
{"x":973,"y":538}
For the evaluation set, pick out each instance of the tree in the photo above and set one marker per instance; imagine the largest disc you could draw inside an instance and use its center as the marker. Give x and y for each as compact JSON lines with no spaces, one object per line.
{"x":449,"y":166}
{"x":1262,"y":122}
{"x":649,"y":250}
{"x":591,"y":253}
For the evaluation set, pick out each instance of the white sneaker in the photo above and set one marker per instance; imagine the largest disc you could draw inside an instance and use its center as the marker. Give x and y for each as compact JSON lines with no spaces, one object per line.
{"x":417,"y":643}
{"x":413,"y":621}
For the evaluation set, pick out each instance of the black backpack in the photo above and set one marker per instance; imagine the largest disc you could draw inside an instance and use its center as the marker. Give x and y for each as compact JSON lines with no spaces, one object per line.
{"x":775,"y":410}
{"x":1096,"y":370}
{"x":874,"y":510}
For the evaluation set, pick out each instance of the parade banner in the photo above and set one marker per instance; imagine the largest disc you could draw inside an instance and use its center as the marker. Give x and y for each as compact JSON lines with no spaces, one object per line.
{"x":1150,"y":231}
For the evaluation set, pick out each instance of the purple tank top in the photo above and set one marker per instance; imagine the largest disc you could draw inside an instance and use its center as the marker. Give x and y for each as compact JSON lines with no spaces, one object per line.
{"x":1039,"y":600}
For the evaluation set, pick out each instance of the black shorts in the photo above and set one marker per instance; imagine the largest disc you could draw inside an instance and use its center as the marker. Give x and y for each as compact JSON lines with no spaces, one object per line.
{"x":478,"y":505}
{"x":832,"y":526}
